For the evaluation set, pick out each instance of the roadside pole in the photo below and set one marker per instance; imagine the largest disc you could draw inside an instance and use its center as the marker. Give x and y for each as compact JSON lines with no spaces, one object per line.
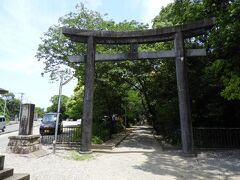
{"x":5,"y":105}
{"x":20,"y":109}
{"x":58,"y":110}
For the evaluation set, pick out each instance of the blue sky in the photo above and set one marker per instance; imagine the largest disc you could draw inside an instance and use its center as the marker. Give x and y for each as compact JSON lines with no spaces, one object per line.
{"x":23,"y":22}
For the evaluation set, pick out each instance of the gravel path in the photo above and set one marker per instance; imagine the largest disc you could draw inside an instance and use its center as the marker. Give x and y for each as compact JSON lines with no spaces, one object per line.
{"x":138,"y":157}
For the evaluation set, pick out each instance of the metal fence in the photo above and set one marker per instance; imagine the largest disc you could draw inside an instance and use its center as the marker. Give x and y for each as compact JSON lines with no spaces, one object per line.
{"x":205,"y":137}
{"x":70,"y":134}
{"x":216,"y":137}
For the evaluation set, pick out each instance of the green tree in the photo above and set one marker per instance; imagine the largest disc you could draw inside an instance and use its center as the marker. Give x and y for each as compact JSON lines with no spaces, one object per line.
{"x":214,"y":80}
{"x":12,"y":105}
{"x":54,"y":106}
{"x":134,"y":106}
{"x":55,"y":48}
{"x":110,"y":89}
{"x":39,"y":111}
{"x":74,"y":104}
{"x":1,"y":105}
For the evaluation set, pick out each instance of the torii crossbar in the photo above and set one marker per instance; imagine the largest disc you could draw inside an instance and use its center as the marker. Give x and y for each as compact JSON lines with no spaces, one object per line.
{"x":175,"y":33}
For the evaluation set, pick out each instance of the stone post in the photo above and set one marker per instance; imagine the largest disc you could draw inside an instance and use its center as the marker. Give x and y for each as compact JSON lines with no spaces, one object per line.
{"x":26,"y":120}
{"x":25,"y":142}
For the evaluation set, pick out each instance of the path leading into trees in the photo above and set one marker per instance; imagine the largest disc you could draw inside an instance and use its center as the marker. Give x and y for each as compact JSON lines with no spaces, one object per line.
{"x":138,"y":157}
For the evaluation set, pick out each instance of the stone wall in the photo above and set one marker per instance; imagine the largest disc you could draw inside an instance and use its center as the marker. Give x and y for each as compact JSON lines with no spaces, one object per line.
{"x":24,"y":144}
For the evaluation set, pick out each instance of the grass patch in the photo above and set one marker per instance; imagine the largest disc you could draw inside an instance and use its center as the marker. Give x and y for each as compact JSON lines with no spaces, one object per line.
{"x":97,"y":140}
{"x":73,"y":155}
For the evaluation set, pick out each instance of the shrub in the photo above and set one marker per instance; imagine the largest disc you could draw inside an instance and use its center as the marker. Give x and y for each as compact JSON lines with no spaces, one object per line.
{"x":76,"y":134}
{"x":97,"y":140}
{"x":101,"y":131}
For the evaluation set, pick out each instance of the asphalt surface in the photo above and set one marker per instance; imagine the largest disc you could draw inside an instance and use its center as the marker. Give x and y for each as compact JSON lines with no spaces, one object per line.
{"x":15,"y":127}
{"x":12,"y":130}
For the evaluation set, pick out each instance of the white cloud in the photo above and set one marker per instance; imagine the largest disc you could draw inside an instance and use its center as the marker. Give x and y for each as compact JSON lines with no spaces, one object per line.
{"x":93,"y":4}
{"x":27,"y":67}
{"x":24,"y":25}
{"x":152,"y":9}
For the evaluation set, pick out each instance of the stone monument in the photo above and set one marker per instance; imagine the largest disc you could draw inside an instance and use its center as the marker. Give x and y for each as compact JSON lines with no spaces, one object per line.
{"x":25,"y":142}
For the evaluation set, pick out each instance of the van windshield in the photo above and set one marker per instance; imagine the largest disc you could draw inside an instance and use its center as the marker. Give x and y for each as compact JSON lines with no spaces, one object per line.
{"x":49,"y":117}
{"x":2,"y":119}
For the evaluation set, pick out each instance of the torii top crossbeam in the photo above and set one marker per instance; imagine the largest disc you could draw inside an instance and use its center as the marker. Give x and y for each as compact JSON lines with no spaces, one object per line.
{"x":143,"y":36}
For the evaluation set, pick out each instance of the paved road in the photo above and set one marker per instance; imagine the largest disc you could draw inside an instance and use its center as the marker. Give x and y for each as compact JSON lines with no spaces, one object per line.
{"x":4,"y":136}
{"x":15,"y":127}
{"x":11,"y":128}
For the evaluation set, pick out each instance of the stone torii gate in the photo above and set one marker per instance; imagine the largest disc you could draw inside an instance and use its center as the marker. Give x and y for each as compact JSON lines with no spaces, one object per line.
{"x":174,"y":33}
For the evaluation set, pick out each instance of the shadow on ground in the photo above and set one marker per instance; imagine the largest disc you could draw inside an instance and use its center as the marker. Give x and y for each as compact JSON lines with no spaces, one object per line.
{"x":208,"y":164}
{"x":207,"y":167}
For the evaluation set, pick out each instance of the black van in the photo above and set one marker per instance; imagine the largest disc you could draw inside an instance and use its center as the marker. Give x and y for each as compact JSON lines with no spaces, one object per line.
{"x":48,"y":124}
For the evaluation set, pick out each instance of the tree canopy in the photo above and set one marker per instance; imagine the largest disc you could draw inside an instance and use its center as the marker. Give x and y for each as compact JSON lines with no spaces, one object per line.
{"x":149,"y":87}
{"x":54,"y":106}
{"x":12,"y":106}
{"x":39,"y":111}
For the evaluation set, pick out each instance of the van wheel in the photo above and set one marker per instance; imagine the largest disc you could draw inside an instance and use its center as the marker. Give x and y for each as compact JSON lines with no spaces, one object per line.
{"x":3,"y":130}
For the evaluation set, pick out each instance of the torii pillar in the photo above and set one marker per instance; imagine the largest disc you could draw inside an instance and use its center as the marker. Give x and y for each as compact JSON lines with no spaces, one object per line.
{"x":183,"y":96}
{"x":86,"y":130}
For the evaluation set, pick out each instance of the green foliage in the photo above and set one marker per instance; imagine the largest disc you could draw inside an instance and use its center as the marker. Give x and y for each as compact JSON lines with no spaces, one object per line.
{"x":76,"y":134}
{"x":12,"y":106}
{"x":39,"y":111}
{"x":97,"y":140}
{"x":74,"y":104}
{"x":54,"y":106}
{"x":110,"y":90}
{"x":180,"y":12}
{"x":229,"y":79}
{"x":133,"y":103}
{"x":101,"y":130}
{"x":1,"y":105}
{"x":119,"y":126}
{"x":73,"y":155}
{"x":108,"y":99}
{"x":213,"y":81}
{"x":225,"y":43}
{"x":232,"y":90}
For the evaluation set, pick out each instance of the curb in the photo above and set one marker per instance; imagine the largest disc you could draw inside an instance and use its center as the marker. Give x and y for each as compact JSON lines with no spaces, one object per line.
{"x":108,"y":145}
{"x":164,"y":146}
{"x":113,"y":142}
